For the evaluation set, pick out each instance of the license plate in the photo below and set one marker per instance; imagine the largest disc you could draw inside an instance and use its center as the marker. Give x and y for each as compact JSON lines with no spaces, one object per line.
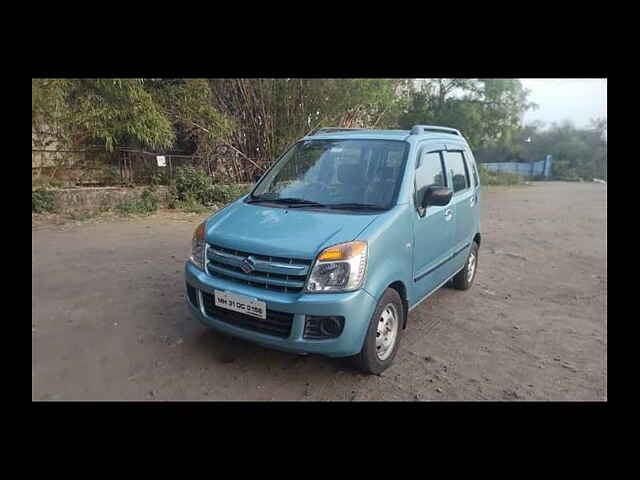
{"x":241,"y":304}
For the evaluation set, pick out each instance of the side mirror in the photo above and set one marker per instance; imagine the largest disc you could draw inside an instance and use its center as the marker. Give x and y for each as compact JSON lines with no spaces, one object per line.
{"x":438,"y":196}
{"x":258,"y":176}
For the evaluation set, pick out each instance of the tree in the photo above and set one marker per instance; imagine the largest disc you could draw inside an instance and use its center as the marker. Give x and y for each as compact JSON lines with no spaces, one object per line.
{"x":599,"y":141}
{"x":131,"y":112}
{"x":190,"y":106}
{"x":103,"y":111}
{"x":577,"y":152}
{"x":269,"y":114}
{"x":487,"y":111}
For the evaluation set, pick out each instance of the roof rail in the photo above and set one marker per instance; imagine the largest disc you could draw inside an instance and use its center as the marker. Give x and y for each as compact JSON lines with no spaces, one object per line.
{"x":418,"y":129}
{"x":334,"y":129}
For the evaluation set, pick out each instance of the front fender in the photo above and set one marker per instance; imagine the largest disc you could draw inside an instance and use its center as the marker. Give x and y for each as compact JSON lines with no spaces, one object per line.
{"x":390,"y":257}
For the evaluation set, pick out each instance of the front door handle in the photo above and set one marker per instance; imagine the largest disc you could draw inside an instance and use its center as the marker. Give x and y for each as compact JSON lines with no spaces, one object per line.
{"x":448,"y":214}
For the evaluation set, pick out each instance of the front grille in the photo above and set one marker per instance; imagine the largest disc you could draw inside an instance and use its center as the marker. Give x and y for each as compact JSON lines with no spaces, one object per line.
{"x":277,"y":324}
{"x":282,"y":274}
{"x":193,"y":295}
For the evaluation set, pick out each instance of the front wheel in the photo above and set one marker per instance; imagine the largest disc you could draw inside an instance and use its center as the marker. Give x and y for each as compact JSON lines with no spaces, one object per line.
{"x":465,"y":277}
{"x":383,"y":335}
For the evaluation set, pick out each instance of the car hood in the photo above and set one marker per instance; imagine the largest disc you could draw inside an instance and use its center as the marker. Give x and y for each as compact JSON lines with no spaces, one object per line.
{"x":280,"y":232}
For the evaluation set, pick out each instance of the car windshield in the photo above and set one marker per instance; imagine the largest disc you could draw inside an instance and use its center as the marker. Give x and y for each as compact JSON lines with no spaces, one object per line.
{"x":337,"y":174}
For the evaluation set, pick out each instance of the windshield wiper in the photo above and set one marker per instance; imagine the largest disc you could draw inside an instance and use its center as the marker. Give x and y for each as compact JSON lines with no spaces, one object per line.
{"x":293,"y":202}
{"x":299,"y":202}
{"x":348,"y":206}
{"x":290,"y":201}
{"x":258,"y":198}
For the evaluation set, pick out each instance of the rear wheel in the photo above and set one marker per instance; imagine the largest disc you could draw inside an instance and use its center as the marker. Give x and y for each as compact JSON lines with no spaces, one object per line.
{"x":383,"y":335}
{"x":465,"y":277}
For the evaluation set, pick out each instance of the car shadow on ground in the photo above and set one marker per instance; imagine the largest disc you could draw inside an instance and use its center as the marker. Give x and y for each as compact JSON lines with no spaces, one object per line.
{"x":224,"y":349}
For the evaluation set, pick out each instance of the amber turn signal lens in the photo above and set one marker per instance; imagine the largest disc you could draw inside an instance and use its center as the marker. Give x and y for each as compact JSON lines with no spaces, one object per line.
{"x":199,"y":233}
{"x":343,"y":251}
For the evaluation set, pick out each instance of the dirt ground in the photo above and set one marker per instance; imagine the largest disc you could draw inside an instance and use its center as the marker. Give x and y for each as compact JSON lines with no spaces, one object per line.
{"x":109,"y":320}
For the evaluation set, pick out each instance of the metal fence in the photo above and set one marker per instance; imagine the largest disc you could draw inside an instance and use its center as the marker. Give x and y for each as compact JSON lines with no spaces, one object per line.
{"x":541,"y":168}
{"x":138,"y":166}
{"x":95,"y":166}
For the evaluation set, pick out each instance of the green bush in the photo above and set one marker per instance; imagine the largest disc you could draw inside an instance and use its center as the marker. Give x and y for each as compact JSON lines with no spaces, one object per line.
{"x":145,"y":205}
{"x":160,"y":178}
{"x":42,"y":183}
{"x":191,"y":205}
{"x":487,"y":177}
{"x":42,"y":201}
{"x":190,"y":184}
{"x":193,"y":187}
{"x":228,"y":193}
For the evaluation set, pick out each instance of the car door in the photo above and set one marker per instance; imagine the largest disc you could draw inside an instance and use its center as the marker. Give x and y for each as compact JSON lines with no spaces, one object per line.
{"x":433,"y":226}
{"x":463,"y":203}
{"x":475,"y":203}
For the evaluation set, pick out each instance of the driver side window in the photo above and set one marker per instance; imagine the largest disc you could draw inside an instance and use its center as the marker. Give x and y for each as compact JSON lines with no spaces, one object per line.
{"x":430,"y":172}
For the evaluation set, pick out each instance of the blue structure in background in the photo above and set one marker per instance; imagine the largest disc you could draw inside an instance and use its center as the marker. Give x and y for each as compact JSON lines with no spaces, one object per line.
{"x":547,"y":166}
{"x":533,"y":169}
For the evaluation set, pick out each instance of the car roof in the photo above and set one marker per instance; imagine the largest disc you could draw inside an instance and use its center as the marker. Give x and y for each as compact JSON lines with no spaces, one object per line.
{"x":361,"y":134}
{"x":371,"y":134}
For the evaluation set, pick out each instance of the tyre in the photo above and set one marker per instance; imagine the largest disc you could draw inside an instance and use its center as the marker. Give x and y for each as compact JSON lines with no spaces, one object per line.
{"x":465,"y":277}
{"x":383,"y":335}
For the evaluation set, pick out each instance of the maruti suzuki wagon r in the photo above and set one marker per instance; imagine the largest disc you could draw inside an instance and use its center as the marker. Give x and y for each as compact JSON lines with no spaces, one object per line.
{"x":347,"y":232}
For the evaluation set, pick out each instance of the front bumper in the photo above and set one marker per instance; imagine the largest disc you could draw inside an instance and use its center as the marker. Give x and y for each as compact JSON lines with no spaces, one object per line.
{"x":356,"y":307}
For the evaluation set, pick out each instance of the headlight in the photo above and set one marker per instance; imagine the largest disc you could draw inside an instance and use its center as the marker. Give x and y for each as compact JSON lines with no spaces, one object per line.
{"x":197,"y":247}
{"x":339,"y":268}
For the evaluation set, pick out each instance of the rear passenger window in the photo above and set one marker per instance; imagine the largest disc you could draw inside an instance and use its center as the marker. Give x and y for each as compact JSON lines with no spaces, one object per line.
{"x":459,"y":173}
{"x":430,"y":172}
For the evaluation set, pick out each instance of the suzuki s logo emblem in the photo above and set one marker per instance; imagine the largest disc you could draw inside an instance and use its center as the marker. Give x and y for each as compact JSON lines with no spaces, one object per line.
{"x":248,"y":265}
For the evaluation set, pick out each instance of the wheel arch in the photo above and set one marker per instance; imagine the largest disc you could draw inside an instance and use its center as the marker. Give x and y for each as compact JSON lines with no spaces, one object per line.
{"x":400,"y":287}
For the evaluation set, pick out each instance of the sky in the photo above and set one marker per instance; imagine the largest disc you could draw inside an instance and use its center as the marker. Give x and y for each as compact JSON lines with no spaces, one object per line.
{"x":559,"y":99}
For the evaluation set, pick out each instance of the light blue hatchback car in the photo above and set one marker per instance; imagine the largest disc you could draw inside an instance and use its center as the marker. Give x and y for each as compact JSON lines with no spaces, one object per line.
{"x":346,"y":233}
